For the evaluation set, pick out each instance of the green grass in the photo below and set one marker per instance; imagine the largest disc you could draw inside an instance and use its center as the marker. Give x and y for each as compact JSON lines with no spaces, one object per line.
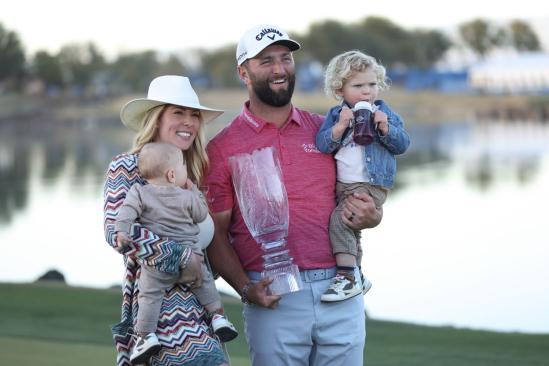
{"x":28,"y":351}
{"x":391,"y":343}
{"x":47,"y":324}
{"x":59,"y":313}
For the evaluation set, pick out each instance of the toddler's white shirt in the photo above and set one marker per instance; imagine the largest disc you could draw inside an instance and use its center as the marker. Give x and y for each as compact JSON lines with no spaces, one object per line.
{"x":351,"y":160}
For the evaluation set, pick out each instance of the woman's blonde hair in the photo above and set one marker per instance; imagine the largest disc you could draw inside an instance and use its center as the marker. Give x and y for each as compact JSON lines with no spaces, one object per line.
{"x":344,"y":66}
{"x":195,"y":157}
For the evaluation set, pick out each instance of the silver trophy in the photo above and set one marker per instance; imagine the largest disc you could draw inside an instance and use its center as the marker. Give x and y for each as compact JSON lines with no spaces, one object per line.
{"x":262,"y":198}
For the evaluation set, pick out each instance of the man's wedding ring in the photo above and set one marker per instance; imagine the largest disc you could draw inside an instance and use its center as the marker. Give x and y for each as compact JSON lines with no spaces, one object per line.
{"x":189,"y":284}
{"x":351,"y":217}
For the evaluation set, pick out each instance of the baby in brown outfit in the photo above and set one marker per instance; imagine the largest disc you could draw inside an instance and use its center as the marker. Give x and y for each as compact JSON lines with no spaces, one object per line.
{"x":170,"y":206}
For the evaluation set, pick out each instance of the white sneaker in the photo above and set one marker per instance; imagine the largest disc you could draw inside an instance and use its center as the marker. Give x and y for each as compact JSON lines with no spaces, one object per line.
{"x":223,"y":328}
{"x":366,"y":284}
{"x":340,"y":289}
{"x":145,"y":347}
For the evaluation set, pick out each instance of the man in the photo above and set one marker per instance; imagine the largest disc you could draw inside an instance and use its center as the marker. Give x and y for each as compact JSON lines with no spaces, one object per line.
{"x":296,"y":328}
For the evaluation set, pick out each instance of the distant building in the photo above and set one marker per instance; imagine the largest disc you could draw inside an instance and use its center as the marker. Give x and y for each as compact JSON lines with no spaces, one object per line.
{"x":414,"y":79}
{"x":431,"y":79}
{"x":522,"y":73}
{"x":310,"y":76}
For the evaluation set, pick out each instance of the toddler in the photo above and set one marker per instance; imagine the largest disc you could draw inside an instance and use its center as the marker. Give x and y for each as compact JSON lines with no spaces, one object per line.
{"x":353,"y":77}
{"x":170,"y":206}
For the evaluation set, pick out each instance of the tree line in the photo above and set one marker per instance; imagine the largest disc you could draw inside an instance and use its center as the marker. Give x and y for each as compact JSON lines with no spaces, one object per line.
{"x":82,"y":65}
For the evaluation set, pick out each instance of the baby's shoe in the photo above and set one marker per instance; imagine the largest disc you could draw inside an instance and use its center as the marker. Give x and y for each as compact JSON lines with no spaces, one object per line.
{"x":340,"y":289}
{"x":145,"y":347}
{"x":223,"y":328}
{"x":366,"y":284}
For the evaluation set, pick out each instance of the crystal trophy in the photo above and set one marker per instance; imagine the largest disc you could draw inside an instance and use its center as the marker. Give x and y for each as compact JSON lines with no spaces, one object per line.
{"x":262,"y":198}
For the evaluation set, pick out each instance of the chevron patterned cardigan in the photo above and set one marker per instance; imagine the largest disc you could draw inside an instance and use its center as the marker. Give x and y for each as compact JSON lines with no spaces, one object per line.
{"x":183,"y":326}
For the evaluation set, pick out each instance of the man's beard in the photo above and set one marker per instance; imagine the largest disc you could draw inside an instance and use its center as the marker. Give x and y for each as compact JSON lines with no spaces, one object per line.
{"x":263,"y":91}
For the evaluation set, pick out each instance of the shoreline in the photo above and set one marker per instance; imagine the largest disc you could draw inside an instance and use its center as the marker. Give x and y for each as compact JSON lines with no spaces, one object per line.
{"x":425,"y":107}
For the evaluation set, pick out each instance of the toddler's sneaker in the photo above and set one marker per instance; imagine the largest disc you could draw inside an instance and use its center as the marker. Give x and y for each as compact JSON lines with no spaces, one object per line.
{"x":340,"y":289}
{"x":223,"y":328}
{"x":145,"y":347}
{"x":366,"y":284}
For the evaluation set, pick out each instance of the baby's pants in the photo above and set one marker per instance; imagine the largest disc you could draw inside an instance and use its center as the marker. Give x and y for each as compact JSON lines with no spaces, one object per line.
{"x":343,"y":238}
{"x":152,"y":289}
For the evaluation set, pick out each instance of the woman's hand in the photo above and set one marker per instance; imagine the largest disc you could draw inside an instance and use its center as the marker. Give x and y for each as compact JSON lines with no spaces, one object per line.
{"x":189,"y":184}
{"x":193,"y":272}
{"x":124,"y":238}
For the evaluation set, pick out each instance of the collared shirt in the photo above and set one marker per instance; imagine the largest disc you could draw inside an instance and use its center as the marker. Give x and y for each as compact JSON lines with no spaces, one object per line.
{"x":309,"y":178}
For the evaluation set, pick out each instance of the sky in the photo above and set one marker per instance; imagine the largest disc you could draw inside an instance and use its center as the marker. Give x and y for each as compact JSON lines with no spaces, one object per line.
{"x":119,"y":26}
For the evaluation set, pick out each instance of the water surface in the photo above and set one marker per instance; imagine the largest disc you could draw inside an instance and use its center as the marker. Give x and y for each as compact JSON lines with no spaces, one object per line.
{"x":462,"y":242}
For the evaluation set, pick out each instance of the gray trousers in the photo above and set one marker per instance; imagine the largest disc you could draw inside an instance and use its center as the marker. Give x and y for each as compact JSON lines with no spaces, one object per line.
{"x":152,"y":289}
{"x":304,"y":331}
{"x":343,"y":238}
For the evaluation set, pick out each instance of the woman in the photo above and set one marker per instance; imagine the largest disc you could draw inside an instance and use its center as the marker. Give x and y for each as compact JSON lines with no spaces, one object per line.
{"x":171,"y":113}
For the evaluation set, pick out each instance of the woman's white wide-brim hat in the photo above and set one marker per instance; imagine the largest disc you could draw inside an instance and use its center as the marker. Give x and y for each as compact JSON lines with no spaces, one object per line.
{"x":169,"y":89}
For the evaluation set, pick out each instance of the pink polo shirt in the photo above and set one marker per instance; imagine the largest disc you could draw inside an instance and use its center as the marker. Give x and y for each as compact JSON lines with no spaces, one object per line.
{"x":309,"y":177}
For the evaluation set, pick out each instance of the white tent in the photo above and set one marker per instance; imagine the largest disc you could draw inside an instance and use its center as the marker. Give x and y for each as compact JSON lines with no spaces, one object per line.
{"x":521,"y":73}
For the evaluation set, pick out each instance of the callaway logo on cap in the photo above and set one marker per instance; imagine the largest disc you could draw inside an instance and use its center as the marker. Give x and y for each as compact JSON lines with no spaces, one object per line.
{"x":260,"y":37}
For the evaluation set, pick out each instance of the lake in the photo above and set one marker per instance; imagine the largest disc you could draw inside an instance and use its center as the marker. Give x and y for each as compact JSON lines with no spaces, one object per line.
{"x":462,"y":242}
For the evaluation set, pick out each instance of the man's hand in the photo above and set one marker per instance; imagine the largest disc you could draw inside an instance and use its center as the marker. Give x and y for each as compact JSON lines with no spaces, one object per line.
{"x":257,"y":295}
{"x":124,"y":238}
{"x":364,"y":213}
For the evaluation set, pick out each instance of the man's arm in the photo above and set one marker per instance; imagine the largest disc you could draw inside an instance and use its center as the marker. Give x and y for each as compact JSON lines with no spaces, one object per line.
{"x":366,"y":214}
{"x":226,"y":262}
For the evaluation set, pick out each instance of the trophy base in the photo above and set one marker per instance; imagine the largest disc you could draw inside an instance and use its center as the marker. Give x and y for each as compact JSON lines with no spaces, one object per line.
{"x":286,"y":279}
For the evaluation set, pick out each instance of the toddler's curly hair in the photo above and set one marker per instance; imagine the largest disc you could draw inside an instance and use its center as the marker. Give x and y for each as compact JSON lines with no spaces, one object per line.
{"x":344,"y":66}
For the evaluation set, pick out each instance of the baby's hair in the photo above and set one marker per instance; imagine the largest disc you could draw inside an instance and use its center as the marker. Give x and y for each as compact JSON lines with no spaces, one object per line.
{"x":344,"y":66}
{"x":156,"y":158}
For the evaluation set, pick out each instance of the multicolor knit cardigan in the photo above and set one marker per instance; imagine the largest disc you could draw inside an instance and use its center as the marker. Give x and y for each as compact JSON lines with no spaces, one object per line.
{"x":183,"y":326}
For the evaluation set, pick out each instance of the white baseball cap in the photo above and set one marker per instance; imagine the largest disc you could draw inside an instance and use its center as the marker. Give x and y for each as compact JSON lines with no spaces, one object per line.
{"x":260,"y":37}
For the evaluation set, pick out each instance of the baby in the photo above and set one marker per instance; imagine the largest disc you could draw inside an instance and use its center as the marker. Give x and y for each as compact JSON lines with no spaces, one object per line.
{"x":353,"y":77}
{"x":170,"y":206}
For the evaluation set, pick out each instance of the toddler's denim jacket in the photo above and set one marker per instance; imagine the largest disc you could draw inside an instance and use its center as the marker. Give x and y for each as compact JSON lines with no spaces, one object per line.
{"x":380,"y":154}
